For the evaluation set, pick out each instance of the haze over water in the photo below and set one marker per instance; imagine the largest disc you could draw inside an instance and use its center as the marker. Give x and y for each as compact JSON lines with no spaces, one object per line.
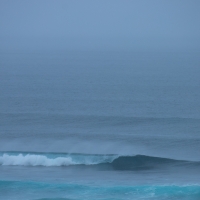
{"x":99,"y":100}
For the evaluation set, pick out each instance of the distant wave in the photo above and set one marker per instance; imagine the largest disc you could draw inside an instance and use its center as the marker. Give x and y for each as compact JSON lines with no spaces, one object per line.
{"x":34,"y":160}
{"x":115,"y":162}
{"x":54,"y":160}
{"x":142,"y":162}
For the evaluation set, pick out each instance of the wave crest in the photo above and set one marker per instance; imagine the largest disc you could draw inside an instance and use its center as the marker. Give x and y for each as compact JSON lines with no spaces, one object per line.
{"x":34,"y":160}
{"x":113,"y":162}
{"x":53,"y":160}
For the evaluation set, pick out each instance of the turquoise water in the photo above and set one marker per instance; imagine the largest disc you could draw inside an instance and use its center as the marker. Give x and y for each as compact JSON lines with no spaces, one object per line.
{"x":69,"y":191}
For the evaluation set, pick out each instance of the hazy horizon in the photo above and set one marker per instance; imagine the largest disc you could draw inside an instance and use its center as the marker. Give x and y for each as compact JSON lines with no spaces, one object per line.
{"x":103,"y":25}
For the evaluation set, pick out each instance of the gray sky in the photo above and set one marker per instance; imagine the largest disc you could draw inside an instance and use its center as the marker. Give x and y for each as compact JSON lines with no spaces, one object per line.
{"x":100,"y":23}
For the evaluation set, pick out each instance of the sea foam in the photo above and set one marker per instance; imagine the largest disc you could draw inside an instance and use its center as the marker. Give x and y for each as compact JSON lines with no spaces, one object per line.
{"x":34,"y":160}
{"x":44,"y":160}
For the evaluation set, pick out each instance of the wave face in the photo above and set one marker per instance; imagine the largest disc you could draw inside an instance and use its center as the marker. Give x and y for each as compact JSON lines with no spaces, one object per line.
{"x":116,"y":162}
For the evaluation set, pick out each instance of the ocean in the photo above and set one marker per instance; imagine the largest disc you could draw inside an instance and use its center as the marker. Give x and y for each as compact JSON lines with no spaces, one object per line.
{"x":85,"y":125}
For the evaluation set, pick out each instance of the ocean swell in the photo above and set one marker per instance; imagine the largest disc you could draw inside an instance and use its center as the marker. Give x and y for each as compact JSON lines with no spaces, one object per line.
{"x":114,"y":162}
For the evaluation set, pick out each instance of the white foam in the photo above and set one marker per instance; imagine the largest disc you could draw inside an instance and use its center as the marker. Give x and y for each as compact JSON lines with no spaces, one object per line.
{"x":43,"y":160}
{"x":34,"y":160}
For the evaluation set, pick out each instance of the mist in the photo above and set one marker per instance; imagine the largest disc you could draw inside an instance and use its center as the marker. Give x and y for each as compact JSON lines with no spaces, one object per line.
{"x":99,"y":25}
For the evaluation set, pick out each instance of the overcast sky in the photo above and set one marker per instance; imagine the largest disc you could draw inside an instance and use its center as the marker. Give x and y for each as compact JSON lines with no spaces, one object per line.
{"x":100,"y":23}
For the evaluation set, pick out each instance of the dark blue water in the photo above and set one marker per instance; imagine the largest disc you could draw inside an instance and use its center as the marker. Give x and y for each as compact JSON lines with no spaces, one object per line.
{"x":100,"y":125}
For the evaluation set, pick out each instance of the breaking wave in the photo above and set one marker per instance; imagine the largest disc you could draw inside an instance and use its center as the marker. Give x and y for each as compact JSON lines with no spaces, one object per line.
{"x":54,"y":160}
{"x":116,"y":162}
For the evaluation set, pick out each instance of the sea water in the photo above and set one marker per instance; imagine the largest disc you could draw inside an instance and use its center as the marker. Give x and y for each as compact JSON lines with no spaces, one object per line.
{"x":100,"y":125}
